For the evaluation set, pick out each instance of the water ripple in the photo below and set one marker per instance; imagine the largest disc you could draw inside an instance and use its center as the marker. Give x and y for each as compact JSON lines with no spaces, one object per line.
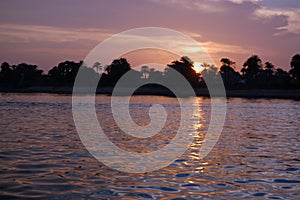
{"x":42,"y":156}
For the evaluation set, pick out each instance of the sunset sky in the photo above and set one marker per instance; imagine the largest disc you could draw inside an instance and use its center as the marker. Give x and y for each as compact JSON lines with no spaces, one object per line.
{"x":48,"y":32}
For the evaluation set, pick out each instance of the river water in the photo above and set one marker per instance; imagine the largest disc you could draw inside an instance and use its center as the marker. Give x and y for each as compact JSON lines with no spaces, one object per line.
{"x":42,"y":156}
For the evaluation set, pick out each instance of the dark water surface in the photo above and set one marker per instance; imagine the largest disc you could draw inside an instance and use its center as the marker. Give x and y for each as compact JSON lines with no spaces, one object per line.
{"x":257,"y":155}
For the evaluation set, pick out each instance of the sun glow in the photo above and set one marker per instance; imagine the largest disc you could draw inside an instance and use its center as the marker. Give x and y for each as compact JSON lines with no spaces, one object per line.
{"x":197,"y":67}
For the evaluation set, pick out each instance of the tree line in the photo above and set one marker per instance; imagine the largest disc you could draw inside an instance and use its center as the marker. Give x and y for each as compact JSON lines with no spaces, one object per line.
{"x":253,"y":74}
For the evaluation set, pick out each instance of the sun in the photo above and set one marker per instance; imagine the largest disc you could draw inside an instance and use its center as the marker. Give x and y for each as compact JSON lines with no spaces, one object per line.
{"x":197,"y":67}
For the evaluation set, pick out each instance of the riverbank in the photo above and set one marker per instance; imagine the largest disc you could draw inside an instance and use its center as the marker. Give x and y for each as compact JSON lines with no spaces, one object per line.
{"x":249,"y":93}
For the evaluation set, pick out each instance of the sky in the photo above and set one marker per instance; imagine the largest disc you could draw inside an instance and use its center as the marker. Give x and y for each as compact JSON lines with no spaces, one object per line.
{"x":48,"y":32}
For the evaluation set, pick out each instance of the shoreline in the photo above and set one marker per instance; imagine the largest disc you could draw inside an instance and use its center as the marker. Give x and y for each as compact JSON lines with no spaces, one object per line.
{"x":201,"y":92}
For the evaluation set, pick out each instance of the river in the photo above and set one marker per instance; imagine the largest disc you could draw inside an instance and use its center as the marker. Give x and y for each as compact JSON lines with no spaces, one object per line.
{"x":42,"y":156}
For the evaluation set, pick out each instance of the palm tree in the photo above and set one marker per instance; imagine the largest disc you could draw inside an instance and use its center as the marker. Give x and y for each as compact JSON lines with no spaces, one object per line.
{"x":185,"y":67}
{"x":145,"y":72}
{"x":295,"y":65}
{"x":267,"y":75}
{"x":251,"y":69}
{"x":226,"y":69}
{"x":97,"y":67}
{"x":116,"y":70}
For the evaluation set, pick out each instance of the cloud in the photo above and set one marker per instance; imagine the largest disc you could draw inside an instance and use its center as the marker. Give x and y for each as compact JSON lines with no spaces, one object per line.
{"x":53,"y":36}
{"x":203,"y":6}
{"x":260,"y":11}
{"x":213,"y":47}
{"x":292,"y":17}
{"x":207,"y":6}
{"x":243,"y":1}
{"x":47,"y":45}
{"x":15,"y":33}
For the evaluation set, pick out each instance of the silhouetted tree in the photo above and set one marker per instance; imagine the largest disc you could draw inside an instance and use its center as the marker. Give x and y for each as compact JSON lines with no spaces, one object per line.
{"x":251,"y":69}
{"x":25,"y":75}
{"x":282,"y":78}
{"x":229,"y":75}
{"x":115,"y":71}
{"x":88,"y":76}
{"x":266,"y":77}
{"x":145,"y":71}
{"x":6,"y":74}
{"x":65,"y":73}
{"x":295,"y":65}
{"x":155,"y":75}
{"x":209,"y":73}
{"x":97,"y":67}
{"x":269,"y":67}
{"x":185,"y":67}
